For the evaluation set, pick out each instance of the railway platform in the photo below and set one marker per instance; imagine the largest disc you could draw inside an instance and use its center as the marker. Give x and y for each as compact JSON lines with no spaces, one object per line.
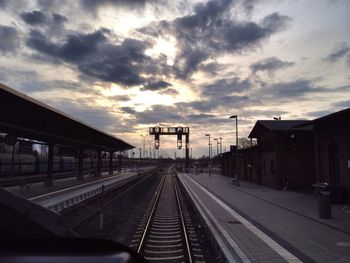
{"x":70,"y":191}
{"x":257,"y":224}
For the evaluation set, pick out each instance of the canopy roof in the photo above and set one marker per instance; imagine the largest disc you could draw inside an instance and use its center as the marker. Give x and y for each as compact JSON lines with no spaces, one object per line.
{"x":22,"y":116}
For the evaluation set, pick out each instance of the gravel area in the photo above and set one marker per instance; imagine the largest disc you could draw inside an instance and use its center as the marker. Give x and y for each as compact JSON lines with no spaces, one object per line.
{"x":120,"y":218}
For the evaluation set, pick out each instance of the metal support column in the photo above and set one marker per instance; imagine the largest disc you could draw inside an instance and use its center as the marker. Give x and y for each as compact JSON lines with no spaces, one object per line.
{"x":111,"y":163}
{"x":99,"y":159}
{"x":80,"y":164}
{"x":49,"y":175}
{"x":120,"y":159}
{"x":187,"y":152}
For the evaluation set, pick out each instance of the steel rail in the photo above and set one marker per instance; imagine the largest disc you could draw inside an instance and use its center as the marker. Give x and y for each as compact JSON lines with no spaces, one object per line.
{"x":145,"y":231}
{"x":189,"y":254}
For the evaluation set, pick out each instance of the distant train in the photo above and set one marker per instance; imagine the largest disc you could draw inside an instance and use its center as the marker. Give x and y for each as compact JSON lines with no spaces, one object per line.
{"x":29,"y":164}
{"x":25,"y":164}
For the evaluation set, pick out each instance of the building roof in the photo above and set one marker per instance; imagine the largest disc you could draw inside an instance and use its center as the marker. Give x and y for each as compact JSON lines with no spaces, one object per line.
{"x":278,"y":125}
{"x":26,"y":117}
{"x":345,"y":112}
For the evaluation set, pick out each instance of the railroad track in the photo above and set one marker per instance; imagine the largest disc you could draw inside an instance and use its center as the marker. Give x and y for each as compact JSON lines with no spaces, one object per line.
{"x":166,"y":232}
{"x":80,"y":214}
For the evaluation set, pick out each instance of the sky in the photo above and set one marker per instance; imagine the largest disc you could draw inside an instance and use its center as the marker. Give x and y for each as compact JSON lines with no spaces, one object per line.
{"x":125,"y":65}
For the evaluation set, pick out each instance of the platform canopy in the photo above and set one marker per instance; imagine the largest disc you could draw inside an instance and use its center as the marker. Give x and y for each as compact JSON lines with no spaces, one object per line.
{"x":22,"y":116}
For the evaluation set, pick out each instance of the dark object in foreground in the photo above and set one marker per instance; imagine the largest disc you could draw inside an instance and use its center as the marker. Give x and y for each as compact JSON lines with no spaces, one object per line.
{"x":324,"y":200}
{"x":70,"y":250}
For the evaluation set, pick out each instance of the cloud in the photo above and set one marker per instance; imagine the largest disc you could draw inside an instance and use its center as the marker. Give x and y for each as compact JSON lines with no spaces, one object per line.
{"x":96,"y":56}
{"x":33,"y":18}
{"x":340,"y":50}
{"x":212,"y":68}
{"x":169,"y":91}
{"x":225,"y":86}
{"x":318,"y":114}
{"x":75,"y":48}
{"x":342,"y":104}
{"x":270,"y":65}
{"x":9,"y":39}
{"x":119,"y":97}
{"x":38,"y":84}
{"x":93,"y":5}
{"x":209,"y":104}
{"x":171,"y":115}
{"x":156,"y":85}
{"x":211,"y":29}
{"x":291,"y":89}
{"x":3,"y":3}
{"x":99,"y":117}
{"x":59,"y":19}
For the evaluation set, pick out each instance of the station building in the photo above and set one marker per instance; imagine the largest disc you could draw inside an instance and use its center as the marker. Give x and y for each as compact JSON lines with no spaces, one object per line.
{"x":294,"y":154}
{"x":332,"y":152}
{"x":285,"y":151}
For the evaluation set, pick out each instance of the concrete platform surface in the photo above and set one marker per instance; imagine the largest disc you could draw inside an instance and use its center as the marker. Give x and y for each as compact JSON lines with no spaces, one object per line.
{"x":69,"y":191}
{"x":258,"y":224}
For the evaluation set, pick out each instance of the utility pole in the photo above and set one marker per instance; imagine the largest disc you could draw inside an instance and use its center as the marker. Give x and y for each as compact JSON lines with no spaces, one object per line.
{"x":217,"y":146}
{"x":236,"y":159}
{"x":209,"y":164}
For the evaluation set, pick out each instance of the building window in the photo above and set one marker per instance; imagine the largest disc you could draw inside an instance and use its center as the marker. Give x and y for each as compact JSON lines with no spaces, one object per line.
{"x":272,"y":166}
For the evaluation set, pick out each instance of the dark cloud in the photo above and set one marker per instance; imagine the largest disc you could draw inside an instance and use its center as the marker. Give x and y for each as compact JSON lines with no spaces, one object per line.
{"x":9,"y":39}
{"x":94,"y":55}
{"x":156,"y":85}
{"x":128,"y":110}
{"x":225,"y":87}
{"x":3,"y":3}
{"x":298,"y":89}
{"x":287,"y":90}
{"x":75,"y":48}
{"x":210,"y":29}
{"x":270,"y":65}
{"x":169,"y":91}
{"x":33,"y":18}
{"x":119,"y":98}
{"x":340,"y":51}
{"x":53,"y":5}
{"x":59,"y":19}
{"x":93,"y":5}
{"x":212,"y":68}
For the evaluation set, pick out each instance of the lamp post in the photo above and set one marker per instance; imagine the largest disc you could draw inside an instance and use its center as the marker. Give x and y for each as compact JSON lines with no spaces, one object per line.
{"x":236,"y":159}
{"x":209,"y":165}
{"x":217,"y":146}
{"x":220,"y":145}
